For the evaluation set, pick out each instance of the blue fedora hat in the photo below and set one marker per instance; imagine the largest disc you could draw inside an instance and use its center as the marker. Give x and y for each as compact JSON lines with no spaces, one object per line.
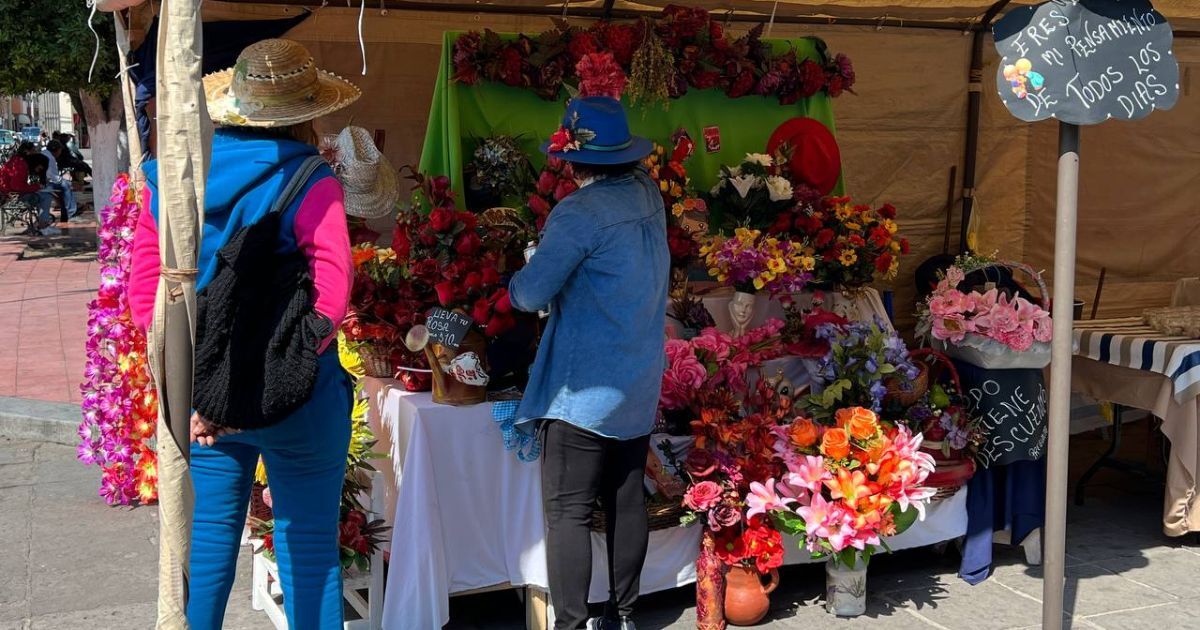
{"x":599,"y":133}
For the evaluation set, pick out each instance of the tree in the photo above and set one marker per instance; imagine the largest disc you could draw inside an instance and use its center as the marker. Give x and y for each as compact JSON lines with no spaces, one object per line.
{"x":50,"y":49}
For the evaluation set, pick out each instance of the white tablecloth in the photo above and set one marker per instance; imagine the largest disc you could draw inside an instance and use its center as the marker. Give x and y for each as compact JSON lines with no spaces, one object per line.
{"x":468,"y":514}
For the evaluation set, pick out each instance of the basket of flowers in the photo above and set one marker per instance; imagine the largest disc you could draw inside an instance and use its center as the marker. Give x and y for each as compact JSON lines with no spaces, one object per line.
{"x":980,"y":314}
{"x":951,"y":434}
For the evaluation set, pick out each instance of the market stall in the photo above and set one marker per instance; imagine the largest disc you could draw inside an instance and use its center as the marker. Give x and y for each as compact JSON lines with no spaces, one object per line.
{"x":749,"y":160}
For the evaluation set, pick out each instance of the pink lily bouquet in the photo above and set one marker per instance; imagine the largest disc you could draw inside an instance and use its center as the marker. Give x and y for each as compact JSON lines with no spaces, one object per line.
{"x":846,"y":486}
{"x":988,"y":321}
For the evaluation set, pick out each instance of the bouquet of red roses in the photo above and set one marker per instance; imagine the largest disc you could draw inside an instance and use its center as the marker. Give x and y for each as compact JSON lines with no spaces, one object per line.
{"x":853,"y":244}
{"x":447,"y":263}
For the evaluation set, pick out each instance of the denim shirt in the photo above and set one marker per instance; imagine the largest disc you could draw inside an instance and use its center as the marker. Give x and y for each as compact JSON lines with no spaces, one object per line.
{"x":602,"y":268}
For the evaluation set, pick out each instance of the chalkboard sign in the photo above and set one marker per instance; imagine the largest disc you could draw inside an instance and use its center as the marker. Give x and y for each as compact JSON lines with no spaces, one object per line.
{"x":447,"y":327}
{"x":1011,"y":407}
{"x":1086,"y":61}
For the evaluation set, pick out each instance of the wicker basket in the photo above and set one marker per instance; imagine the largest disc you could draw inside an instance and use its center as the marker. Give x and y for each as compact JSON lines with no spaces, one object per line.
{"x":949,"y":477}
{"x":258,"y":507}
{"x":898,"y":393}
{"x":660,"y":514}
{"x":377,"y":363}
{"x":988,"y":353}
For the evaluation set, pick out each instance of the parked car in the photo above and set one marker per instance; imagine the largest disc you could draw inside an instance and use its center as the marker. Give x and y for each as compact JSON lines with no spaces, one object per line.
{"x":32,"y":134}
{"x":7,"y":138}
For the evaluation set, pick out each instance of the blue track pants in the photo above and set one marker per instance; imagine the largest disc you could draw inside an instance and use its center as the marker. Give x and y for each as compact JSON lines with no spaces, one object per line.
{"x":305,"y":457}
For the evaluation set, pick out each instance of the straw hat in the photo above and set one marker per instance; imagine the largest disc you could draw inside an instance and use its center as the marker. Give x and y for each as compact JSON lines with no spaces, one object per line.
{"x":275,"y":83}
{"x":368,"y":179}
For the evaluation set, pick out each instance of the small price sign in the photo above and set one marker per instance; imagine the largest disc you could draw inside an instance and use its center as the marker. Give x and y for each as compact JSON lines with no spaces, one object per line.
{"x":447,"y":327}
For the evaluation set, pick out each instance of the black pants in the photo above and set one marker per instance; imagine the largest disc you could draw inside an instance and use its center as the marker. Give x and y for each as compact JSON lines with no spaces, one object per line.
{"x":577,"y":468}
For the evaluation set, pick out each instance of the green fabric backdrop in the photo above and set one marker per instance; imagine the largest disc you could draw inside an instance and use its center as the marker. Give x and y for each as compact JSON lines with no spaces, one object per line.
{"x":460,"y":115}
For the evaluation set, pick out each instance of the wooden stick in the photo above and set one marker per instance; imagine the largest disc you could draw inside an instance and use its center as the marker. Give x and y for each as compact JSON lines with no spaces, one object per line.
{"x":1099,"y":288}
{"x":949,"y":209}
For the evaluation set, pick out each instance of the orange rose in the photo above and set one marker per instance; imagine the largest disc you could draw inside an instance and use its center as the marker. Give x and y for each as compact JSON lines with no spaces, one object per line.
{"x":835,"y":444}
{"x":860,"y":422}
{"x":803,"y":433}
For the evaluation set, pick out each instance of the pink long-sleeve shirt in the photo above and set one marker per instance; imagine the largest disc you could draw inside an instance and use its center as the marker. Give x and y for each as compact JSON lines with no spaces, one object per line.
{"x":321,"y":234}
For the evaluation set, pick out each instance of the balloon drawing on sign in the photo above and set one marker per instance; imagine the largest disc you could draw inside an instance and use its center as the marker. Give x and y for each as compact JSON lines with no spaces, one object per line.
{"x":1086,"y":61}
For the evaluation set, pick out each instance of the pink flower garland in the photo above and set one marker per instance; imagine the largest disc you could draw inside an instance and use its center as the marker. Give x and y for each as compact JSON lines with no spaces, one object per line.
{"x":120,"y":407}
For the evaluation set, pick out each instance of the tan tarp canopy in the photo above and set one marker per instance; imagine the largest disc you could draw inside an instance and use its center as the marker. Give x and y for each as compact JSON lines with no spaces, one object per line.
{"x":899,"y":136}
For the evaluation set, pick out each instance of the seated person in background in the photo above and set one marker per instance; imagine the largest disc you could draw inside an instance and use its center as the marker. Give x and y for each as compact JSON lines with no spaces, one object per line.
{"x":71,"y":158}
{"x":55,"y":181}
{"x":22,"y":174}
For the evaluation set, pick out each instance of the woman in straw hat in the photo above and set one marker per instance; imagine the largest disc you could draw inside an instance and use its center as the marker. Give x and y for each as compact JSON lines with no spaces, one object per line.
{"x":601,"y":268}
{"x":263,"y":173}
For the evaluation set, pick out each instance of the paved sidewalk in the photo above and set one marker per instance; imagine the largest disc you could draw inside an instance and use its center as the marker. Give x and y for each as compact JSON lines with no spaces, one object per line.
{"x":43,"y":303}
{"x":69,"y":561}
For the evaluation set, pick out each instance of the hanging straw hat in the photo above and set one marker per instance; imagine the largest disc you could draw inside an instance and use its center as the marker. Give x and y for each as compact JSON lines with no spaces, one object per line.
{"x":368,"y":179}
{"x":275,"y":83}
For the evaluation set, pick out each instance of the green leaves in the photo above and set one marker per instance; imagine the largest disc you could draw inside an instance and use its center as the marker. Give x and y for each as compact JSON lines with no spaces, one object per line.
{"x":50,"y":49}
{"x":788,"y":523}
{"x":904,"y":518}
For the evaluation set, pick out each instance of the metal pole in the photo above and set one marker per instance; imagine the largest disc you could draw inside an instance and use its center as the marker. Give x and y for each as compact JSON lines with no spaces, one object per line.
{"x":1055,"y":538}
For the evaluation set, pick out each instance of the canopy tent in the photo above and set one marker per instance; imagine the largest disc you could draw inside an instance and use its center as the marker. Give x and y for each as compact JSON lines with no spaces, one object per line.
{"x":900,"y":138}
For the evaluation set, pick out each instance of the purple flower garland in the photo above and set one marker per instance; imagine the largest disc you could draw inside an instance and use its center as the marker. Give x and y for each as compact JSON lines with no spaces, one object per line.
{"x":120,"y":406}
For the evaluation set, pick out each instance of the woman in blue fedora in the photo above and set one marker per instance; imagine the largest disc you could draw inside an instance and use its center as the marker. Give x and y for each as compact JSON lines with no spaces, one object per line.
{"x":601,"y":270}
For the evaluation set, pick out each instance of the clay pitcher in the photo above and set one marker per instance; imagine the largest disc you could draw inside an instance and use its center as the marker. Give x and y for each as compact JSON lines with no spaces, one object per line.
{"x":746,"y":597}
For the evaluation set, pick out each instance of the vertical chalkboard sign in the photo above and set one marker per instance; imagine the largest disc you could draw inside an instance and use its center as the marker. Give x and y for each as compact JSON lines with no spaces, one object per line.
{"x":1086,"y":61}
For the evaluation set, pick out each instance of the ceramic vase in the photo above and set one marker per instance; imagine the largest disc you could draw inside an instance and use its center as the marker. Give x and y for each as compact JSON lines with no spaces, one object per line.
{"x":846,"y":588}
{"x":747,"y":599}
{"x":710,"y":586}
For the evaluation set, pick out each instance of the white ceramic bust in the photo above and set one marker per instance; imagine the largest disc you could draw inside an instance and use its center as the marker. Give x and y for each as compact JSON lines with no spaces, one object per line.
{"x":741,"y":311}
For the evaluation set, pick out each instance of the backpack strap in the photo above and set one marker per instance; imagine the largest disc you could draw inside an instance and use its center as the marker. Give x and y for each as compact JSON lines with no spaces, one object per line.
{"x":299,"y":178}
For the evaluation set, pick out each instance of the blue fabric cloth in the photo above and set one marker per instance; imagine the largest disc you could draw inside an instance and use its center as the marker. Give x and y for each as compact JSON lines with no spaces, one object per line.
{"x":998,"y":498}
{"x":526,"y":446}
{"x":248,"y":172}
{"x":601,"y":267}
{"x":305,"y":458}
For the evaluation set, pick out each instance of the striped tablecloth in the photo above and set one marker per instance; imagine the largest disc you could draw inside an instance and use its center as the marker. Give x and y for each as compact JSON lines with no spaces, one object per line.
{"x":1129,"y":342}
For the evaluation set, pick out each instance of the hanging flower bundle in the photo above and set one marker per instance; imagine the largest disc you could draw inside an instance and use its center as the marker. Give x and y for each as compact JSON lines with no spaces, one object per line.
{"x":685,"y":48}
{"x":120,"y":406}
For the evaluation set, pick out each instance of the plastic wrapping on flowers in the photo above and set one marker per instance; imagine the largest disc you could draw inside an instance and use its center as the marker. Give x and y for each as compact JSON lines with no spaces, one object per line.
{"x":120,"y":406}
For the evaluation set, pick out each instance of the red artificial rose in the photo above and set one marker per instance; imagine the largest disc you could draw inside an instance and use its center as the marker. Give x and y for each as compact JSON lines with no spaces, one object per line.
{"x":401,"y":244}
{"x":700,"y":463}
{"x":582,"y":44}
{"x":510,"y":66}
{"x":473,"y":281}
{"x":268,"y":542}
{"x":782,"y":224}
{"x":883,"y":262}
{"x":716,"y":31}
{"x":490,"y":276}
{"x":561,"y":140}
{"x":358,"y":518}
{"x":440,"y":192}
{"x":887,"y":211}
{"x":426,"y":269}
{"x":599,"y":75}
{"x":503,"y":304}
{"x":446,"y":292}
{"x":362,"y":546}
{"x":482,"y":310}
{"x":538,"y":205}
{"x":622,"y":41}
{"x":428,"y":237}
{"x":857,"y":240}
{"x":705,"y":79}
{"x":812,"y":78}
{"x":904,"y":246}
{"x":467,"y":219}
{"x":467,"y":244}
{"x":546,"y":182}
{"x":499,"y":324}
{"x":742,"y":85}
{"x":564,"y":188}
{"x":836,"y":86}
{"x":823,"y":238}
{"x":880,"y":237}
{"x":441,"y":219}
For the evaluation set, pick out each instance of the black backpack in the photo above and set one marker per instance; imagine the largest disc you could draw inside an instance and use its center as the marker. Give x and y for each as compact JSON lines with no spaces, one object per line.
{"x":257,"y":331}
